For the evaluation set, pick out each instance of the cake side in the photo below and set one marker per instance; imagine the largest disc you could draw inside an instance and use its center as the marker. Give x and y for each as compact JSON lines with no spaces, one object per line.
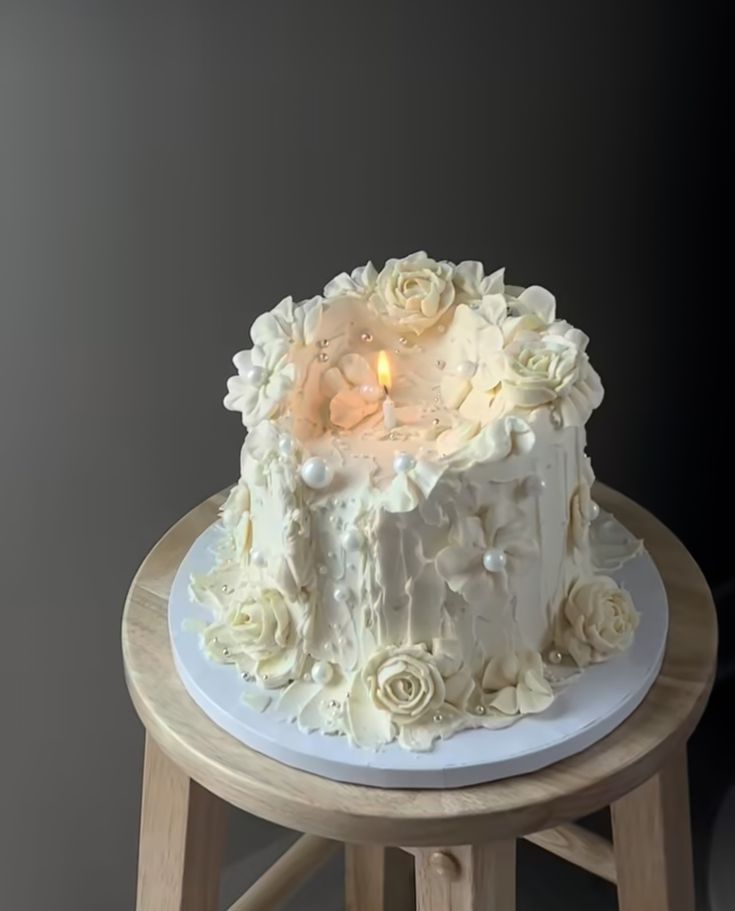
{"x":404,"y":561}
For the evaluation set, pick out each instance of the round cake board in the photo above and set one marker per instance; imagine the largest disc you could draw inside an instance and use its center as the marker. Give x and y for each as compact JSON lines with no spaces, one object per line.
{"x":584,"y":711}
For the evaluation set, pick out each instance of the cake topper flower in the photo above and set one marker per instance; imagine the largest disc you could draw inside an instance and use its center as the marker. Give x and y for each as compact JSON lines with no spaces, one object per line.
{"x":413,"y":293}
{"x":358,"y":283}
{"x":549,"y":369}
{"x":266,"y":374}
{"x":264,"y":378}
{"x":469,"y":381}
{"x":352,"y":389}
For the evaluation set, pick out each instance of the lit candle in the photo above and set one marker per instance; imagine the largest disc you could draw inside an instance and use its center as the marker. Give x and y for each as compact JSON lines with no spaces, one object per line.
{"x":389,"y":409}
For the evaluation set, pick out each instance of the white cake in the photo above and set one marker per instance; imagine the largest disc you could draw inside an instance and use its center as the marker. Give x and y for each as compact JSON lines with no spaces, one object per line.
{"x":407,"y":556}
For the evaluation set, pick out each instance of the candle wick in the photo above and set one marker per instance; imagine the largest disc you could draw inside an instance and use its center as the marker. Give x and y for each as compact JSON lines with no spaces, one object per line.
{"x":387,"y":393}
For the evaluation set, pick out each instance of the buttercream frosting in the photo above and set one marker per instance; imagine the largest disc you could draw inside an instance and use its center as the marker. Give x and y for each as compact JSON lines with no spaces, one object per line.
{"x":402,"y":583}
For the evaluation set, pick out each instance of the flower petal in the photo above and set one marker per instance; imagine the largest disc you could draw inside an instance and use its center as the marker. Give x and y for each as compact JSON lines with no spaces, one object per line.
{"x":357,"y":370}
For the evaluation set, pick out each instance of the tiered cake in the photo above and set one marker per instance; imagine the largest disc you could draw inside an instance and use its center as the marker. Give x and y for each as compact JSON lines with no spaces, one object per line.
{"x":407,"y":553}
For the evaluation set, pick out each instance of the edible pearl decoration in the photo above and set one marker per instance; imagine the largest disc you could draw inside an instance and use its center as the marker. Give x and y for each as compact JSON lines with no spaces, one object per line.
{"x":258,"y":558}
{"x":535,"y":485}
{"x":403,"y":462}
{"x":322,"y":672}
{"x":594,"y":511}
{"x":494,"y":560}
{"x":286,"y":445}
{"x":466,"y":369}
{"x":317,"y":473}
{"x":341,"y":594}
{"x":555,"y":656}
{"x":366,"y":337}
{"x":255,"y":376}
{"x":352,"y":540}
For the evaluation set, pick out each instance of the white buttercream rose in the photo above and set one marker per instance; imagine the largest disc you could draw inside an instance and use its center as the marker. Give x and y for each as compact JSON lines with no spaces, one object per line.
{"x":260,"y":635}
{"x":550,"y":369}
{"x":414,"y":292}
{"x":599,"y":620}
{"x":405,"y":682}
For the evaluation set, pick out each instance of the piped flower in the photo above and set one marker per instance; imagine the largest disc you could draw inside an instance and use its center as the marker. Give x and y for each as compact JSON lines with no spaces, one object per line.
{"x":352,"y":389}
{"x":358,"y":283}
{"x":264,"y":378}
{"x":477,"y":363}
{"x":490,"y":547}
{"x":514,"y":684}
{"x":413,"y":293}
{"x":289,"y":323}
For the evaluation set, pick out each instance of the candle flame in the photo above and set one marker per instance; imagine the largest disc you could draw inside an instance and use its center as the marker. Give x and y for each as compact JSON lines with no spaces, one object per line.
{"x":384,"y":371}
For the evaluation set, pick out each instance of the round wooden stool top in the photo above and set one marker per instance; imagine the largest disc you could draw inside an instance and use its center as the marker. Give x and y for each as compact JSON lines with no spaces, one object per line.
{"x":513,"y":807}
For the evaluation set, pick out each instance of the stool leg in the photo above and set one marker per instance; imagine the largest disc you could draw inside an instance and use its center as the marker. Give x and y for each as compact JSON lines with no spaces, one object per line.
{"x":182,"y":836}
{"x":379,"y":879}
{"x":652,"y":841}
{"x":469,"y":878}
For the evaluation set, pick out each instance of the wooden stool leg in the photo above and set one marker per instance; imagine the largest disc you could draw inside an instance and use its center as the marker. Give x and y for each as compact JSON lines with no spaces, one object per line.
{"x":182,"y":836}
{"x":652,"y":841}
{"x":379,"y":879}
{"x":470,"y":878}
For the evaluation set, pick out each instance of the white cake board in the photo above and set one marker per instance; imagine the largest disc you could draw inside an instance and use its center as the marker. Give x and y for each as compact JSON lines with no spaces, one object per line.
{"x":583,"y":712}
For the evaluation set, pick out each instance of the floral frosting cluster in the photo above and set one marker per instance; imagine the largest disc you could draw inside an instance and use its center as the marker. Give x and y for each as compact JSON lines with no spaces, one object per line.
{"x":516,"y":355}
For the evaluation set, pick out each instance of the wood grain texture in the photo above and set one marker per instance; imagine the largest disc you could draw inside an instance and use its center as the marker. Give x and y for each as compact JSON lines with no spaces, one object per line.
{"x":467,"y":878}
{"x":379,"y":879}
{"x":567,"y":790}
{"x":579,"y":846}
{"x":182,"y":838}
{"x":287,"y":874}
{"x":652,"y":839}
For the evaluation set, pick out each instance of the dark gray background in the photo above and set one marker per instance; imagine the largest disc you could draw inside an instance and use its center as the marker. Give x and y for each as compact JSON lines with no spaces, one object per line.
{"x":169,"y":170}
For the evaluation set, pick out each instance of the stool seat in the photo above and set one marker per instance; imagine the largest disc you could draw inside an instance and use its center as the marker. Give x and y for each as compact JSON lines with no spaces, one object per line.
{"x":642,"y":762}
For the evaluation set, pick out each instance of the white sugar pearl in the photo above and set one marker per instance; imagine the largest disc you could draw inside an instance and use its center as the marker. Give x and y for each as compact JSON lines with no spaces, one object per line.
{"x":258,"y":558}
{"x":494,"y":560}
{"x":317,"y":473}
{"x":286,"y":445}
{"x":370,"y":392}
{"x":352,"y":540}
{"x":341,"y":594}
{"x":466,"y":369}
{"x":403,"y":462}
{"x":594,"y":511}
{"x":255,"y":376}
{"x":322,"y":672}
{"x":535,"y":485}
{"x":555,"y":656}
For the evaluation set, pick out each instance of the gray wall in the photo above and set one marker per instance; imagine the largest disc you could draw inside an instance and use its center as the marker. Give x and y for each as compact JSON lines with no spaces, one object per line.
{"x":169,"y":170}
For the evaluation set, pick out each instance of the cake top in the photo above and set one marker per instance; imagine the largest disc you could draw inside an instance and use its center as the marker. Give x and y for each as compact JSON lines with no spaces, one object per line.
{"x":416,"y":367}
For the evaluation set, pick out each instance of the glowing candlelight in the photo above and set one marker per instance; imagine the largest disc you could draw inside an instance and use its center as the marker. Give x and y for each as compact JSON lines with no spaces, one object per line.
{"x":384,"y":378}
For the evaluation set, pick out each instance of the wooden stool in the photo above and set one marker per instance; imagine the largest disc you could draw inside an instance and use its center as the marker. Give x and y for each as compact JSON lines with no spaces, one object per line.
{"x":461,"y":842}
